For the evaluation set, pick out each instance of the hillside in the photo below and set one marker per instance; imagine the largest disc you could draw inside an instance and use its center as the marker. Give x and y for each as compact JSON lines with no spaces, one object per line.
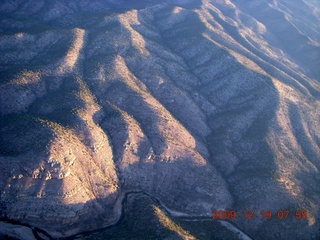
{"x":201,"y":105}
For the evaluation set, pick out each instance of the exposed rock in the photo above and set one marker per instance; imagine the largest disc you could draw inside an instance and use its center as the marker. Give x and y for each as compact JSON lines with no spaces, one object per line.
{"x":202,"y":104}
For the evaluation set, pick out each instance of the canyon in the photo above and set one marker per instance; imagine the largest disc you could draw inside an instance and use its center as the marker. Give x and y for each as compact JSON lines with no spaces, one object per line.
{"x":203,"y":105}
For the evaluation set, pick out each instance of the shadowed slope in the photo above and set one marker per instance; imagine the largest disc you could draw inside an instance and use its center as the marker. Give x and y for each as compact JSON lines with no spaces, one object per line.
{"x":203,"y":107}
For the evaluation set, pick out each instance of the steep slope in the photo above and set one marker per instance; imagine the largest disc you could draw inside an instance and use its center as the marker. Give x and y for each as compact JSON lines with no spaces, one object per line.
{"x":202,"y":106}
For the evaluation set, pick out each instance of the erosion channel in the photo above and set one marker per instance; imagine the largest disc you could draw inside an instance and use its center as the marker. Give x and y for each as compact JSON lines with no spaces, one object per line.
{"x":133,"y":203}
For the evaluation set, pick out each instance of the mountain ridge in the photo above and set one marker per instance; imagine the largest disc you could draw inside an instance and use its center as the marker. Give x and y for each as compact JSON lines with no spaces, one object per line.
{"x":203,"y":106}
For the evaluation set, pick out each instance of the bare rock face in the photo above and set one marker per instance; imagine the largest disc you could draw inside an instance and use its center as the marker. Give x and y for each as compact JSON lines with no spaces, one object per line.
{"x":203,"y":105}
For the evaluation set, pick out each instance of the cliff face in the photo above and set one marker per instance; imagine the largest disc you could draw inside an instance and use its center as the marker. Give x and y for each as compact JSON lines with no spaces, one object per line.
{"x":210,"y":105}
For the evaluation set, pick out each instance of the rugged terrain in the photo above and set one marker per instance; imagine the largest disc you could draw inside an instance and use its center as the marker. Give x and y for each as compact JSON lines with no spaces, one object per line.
{"x":202,"y":105}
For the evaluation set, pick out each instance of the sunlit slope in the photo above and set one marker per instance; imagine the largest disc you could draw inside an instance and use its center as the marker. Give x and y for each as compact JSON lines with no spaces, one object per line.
{"x":214,"y":107}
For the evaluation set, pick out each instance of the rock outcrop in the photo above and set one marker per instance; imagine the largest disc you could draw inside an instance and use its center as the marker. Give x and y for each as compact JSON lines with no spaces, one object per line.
{"x":209,"y":105}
